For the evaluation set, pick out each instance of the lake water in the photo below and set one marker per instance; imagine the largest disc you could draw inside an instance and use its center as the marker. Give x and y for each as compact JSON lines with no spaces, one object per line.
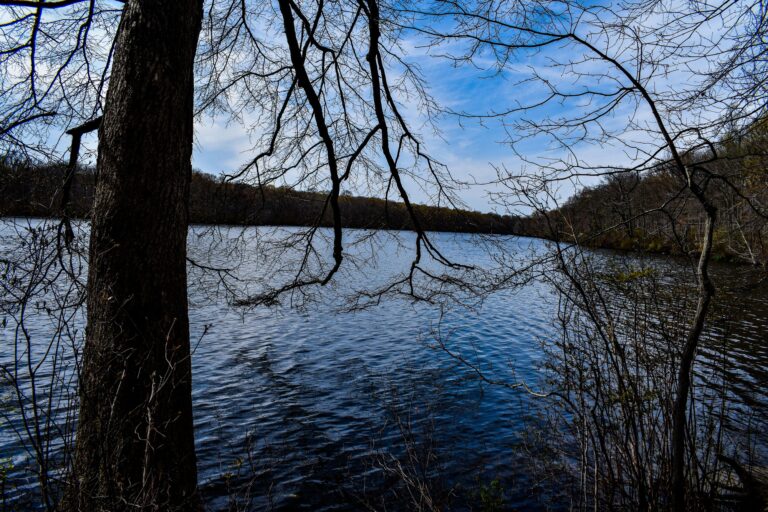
{"x":314,"y":408}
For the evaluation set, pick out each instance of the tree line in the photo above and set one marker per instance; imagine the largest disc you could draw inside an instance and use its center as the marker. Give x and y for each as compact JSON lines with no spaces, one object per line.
{"x":623,"y":212}
{"x":651,"y":212}
{"x":35,"y":191}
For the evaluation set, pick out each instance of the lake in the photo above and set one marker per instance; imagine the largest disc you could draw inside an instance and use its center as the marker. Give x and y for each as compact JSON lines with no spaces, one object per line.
{"x":311,"y":407}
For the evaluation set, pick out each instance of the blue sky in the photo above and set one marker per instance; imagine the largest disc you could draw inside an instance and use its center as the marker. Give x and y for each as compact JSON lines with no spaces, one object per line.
{"x":473,"y":150}
{"x":467,"y":147}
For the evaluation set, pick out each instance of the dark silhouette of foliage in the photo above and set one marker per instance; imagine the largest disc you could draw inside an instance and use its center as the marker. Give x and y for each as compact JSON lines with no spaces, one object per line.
{"x":34,"y":191}
{"x":648,"y":212}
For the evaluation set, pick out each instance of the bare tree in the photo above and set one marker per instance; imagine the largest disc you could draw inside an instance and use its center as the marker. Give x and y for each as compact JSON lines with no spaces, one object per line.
{"x":665,"y":85}
{"x":135,"y":444}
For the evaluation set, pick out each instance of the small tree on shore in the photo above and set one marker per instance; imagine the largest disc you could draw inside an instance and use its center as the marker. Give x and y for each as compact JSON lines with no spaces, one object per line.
{"x":668,"y":87}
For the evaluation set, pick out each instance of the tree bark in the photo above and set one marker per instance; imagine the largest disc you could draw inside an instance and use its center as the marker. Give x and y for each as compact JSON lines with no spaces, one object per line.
{"x":135,"y":441}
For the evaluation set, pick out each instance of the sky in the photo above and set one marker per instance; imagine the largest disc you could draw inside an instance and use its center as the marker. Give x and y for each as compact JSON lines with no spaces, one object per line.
{"x":467,"y":148}
{"x":473,"y":150}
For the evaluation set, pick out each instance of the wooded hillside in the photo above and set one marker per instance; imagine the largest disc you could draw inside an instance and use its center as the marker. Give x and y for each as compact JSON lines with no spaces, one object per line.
{"x":654,"y":212}
{"x":35,"y":192}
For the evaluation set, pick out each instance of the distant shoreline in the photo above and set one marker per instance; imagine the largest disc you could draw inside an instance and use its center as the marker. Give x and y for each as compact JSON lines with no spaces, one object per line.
{"x":36,"y":192}
{"x":230,"y":225}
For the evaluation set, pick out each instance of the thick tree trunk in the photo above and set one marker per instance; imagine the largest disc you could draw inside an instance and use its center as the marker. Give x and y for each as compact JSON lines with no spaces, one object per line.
{"x":135,"y":443}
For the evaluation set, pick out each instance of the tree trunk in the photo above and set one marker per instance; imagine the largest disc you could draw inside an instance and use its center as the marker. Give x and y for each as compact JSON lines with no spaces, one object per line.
{"x":680,"y":406}
{"x":135,"y":441}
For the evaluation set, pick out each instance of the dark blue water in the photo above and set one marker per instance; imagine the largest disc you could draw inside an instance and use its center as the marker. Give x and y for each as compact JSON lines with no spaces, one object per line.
{"x":322,"y":396}
{"x":316,"y":408}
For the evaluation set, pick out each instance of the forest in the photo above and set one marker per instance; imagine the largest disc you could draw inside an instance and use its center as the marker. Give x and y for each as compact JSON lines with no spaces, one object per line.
{"x":36,"y":192}
{"x":649,"y":211}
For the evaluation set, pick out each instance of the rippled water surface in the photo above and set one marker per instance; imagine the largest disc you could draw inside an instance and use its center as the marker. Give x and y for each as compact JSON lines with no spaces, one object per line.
{"x":318,"y":394}
{"x":303,"y":407}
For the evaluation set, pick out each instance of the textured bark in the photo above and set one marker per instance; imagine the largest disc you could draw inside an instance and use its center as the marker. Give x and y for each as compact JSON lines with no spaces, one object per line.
{"x":135,"y":443}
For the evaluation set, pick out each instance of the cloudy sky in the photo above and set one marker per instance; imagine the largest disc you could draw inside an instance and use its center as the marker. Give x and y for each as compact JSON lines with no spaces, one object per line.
{"x":465,"y":146}
{"x":474,"y":150}
{"x":470,"y":148}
